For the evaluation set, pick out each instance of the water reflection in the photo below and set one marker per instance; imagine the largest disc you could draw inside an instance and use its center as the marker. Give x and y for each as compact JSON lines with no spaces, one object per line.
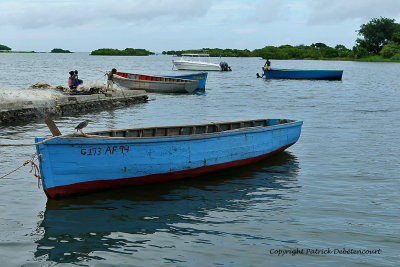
{"x":119,"y":221}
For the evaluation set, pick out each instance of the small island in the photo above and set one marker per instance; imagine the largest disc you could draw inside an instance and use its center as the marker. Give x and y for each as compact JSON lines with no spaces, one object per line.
{"x":59,"y":50}
{"x":4,"y":48}
{"x":125,"y":52}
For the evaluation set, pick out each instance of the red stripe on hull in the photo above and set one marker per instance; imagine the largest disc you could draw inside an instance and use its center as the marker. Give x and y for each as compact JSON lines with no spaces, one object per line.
{"x":83,"y":187}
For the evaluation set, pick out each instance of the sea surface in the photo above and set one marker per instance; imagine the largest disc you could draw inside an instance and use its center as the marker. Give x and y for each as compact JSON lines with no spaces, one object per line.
{"x":332,"y":199}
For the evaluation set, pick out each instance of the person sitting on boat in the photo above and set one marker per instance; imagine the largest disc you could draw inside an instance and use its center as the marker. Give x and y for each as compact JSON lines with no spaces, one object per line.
{"x":79,"y":80}
{"x":267,"y":65}
{"x":110,"y":81}
{"x":75,"y":80}
{"x":71,"y":80}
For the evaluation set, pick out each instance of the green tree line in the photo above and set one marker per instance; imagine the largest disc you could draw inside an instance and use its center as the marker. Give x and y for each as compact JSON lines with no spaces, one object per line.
{"x":314,"y":51}
{"x":379,"y":38}
{"x":125,"y":52}
{"x":213,"y":52}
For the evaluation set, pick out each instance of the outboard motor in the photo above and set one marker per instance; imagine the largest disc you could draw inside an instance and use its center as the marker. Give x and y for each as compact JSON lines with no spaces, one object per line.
{"x":224,"y":66}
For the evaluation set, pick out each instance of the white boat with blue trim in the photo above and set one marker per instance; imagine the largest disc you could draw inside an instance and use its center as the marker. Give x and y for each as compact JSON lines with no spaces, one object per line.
{"x":200,"y":62}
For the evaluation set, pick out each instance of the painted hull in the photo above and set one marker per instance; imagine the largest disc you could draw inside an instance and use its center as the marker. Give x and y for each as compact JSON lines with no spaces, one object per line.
{"x":71,"y":165}
{"x":201,"y":77}
{"x":196,"y":65}
{"x":303,"y":74}
{"x":154,"y":83}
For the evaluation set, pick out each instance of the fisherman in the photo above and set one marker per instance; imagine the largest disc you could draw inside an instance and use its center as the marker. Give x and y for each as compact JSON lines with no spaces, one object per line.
{"x":267,"y":65}
{"x":110,"y":81}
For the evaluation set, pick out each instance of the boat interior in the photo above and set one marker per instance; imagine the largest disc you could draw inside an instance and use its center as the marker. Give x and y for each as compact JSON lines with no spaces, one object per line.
{"x":142,"y":77}
{"x":166,"y":131}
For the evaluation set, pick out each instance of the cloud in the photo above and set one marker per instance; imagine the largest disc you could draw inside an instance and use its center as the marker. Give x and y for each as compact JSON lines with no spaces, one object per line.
{"x":280,"y":12}
{"x":268,"y":11}
{"x":338,"y":11}
{"x":37,"y":14}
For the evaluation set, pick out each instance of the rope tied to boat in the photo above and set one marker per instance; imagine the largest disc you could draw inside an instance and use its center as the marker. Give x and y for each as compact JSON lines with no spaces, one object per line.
{"x":34,"y":168}
{"x":77,"y":135}
{"x":32,"y":144}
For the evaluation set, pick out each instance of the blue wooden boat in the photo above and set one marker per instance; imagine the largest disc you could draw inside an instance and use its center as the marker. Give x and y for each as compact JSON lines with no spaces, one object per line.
{"x":303,"y":74}
{"x":73,"y":164}
{"x":201,"y":77}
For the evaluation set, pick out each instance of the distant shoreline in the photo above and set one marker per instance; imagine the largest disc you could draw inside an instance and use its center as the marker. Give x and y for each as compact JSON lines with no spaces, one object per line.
{"x":20,"y":52}
{"x":366,"y":59}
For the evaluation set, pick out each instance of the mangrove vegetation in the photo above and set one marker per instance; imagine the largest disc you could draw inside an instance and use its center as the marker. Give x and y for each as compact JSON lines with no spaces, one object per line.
{"x":379,"y":40}
{"x":314,"y":51}
{"x":4,"y":48}
{"x":125,"y":52}
{"x":59,"y":50}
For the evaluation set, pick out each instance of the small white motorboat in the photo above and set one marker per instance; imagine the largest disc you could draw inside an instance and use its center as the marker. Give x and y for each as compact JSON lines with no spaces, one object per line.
{"x":199,"y":62}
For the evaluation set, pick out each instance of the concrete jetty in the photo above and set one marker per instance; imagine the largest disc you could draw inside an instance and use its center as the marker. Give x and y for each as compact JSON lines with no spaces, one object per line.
{"x":16,"y":111}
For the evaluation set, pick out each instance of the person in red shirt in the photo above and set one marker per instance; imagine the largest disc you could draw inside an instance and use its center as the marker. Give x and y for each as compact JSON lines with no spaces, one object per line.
{"x":71,"y":80}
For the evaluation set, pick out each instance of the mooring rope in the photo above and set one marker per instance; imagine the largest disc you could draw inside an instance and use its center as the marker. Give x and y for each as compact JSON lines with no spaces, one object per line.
{"x":34,"y":167}
{"x":55,"y":137}
{"x":25,"y":163}
{"x":32,"y":144}
{"x":66,"y":136}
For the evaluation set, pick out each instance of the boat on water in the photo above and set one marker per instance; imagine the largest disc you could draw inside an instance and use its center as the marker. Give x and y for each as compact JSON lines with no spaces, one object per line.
{"x":199,"y":62}
{"x":72,"y":164}
{"x":303,"y":74}
{"x":201,"y":77}
{"x":158,"y":84}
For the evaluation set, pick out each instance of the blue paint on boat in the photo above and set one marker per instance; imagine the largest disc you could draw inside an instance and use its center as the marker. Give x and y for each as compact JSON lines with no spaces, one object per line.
{"x":71,"y":165}
{"x":201,"y":77}
{"x":303,"y":74}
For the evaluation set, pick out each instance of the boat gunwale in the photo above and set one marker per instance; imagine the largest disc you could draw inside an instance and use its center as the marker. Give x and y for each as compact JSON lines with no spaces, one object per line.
{"x":197,"y":62}
{"x":181,"y":80}
{"x":300,"y":70}
{"x":201,"y":60}
{"x":194,"y":55}
{"x":202,"y":74}
{"x":92,"y":138}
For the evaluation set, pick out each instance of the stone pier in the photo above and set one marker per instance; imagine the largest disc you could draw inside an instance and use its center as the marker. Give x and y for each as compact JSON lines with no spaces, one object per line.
{"x":18,"y":111}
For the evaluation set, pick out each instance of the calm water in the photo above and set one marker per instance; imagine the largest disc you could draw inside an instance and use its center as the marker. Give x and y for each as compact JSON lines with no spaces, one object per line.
{"x":337,"y":188}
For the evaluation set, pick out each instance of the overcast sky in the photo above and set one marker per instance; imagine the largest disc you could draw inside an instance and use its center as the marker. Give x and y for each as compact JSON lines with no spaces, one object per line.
{"x":158,"y":25}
